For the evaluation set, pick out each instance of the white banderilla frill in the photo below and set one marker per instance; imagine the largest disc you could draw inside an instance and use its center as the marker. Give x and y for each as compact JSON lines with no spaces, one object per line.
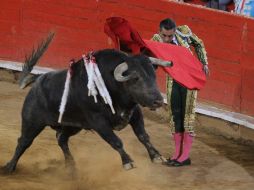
{"x":95,"y":80}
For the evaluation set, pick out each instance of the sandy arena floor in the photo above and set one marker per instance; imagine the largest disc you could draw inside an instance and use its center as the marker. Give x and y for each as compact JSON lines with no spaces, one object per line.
{"x":217,"y":163}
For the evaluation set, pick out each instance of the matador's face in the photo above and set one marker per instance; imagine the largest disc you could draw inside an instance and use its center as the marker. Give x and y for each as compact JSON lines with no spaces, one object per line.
{"x":167,"y":35}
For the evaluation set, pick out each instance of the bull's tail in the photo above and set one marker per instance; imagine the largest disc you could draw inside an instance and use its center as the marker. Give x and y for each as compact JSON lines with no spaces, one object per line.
{"x":30,"y":62}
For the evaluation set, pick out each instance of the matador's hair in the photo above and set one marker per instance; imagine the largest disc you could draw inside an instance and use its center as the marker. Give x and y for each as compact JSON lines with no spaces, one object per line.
{"x":167,"y":24}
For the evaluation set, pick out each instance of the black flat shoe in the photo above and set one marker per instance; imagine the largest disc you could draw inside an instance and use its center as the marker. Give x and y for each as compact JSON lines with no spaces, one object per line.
{"x":169,"y":162}
{"x":186,"y":162}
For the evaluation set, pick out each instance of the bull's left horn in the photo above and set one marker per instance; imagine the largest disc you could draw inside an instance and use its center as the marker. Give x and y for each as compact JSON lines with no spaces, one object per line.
{"x":160,"y":62}
{"x":119,"y":70}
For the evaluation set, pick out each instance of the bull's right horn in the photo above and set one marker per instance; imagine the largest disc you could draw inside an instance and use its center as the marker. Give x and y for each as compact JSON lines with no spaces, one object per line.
{"x":160,"y":62}
{"x":119,"y":70}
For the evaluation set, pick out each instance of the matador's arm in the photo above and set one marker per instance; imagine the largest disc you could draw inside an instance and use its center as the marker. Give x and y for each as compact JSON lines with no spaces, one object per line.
{"x":199,"y":48}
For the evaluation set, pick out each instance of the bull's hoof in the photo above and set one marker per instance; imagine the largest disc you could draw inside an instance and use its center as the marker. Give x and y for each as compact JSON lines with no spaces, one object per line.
{"x":128,"y":166}
{"x":159,"y":159}
{"x":8,"y":168}
{"x":71,"y":168}
{"x":72,"y":173}
{"x":70,"y":164}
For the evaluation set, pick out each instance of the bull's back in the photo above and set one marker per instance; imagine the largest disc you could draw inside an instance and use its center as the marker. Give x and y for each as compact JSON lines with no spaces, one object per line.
{"x":44,"y":98}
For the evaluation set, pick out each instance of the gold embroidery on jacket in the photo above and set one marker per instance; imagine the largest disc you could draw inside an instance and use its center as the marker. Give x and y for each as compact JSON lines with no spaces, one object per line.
{"x":185,"y":38}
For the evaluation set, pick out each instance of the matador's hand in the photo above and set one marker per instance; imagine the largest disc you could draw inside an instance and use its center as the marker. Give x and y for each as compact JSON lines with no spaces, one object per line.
{"x":206,"y":70}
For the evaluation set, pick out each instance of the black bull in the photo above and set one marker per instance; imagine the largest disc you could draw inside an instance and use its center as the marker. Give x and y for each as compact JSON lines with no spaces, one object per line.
{"x":134,"y":85}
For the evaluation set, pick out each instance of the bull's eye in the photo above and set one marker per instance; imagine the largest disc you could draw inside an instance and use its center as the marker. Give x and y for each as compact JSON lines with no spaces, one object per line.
{"x":135,"y":79}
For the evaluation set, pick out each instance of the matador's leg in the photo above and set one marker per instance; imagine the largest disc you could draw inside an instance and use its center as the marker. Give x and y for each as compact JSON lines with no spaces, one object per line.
{"x":189,"y":123}
{"x":176,"y":110}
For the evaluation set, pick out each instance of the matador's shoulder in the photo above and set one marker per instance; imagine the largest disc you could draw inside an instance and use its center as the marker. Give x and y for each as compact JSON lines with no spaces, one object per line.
{"x":184,"y":31}
{"x":156,"y":37}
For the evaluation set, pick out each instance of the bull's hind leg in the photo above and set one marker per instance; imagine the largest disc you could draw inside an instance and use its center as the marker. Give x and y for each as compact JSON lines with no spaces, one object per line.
{"x":108,"y":135}
{"x":137,"y":123}
{"x":28,"y":133}
{"x":63,"y":136}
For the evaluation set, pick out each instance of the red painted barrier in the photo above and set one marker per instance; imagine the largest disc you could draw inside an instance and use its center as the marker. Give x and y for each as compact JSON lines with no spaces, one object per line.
{"x":79,"y":28}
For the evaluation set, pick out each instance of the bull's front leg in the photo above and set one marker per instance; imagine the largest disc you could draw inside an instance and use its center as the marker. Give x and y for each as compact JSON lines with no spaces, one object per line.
{"x":137,"y":123}
{"x":109,"y":136}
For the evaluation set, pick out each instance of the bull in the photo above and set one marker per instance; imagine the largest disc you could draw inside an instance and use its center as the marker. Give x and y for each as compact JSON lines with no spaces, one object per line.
{"x":130,"y":80}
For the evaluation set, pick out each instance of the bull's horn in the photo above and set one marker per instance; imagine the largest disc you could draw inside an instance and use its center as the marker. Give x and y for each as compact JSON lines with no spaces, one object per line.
{"x":160,"y":62}
{"x":119,"y":70}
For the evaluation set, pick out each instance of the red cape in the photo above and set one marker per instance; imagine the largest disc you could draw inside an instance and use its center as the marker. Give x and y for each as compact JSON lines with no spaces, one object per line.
{"x":187,"y":69}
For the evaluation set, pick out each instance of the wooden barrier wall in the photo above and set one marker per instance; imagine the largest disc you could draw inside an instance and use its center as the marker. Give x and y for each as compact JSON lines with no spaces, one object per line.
{"x":78,"y":24}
